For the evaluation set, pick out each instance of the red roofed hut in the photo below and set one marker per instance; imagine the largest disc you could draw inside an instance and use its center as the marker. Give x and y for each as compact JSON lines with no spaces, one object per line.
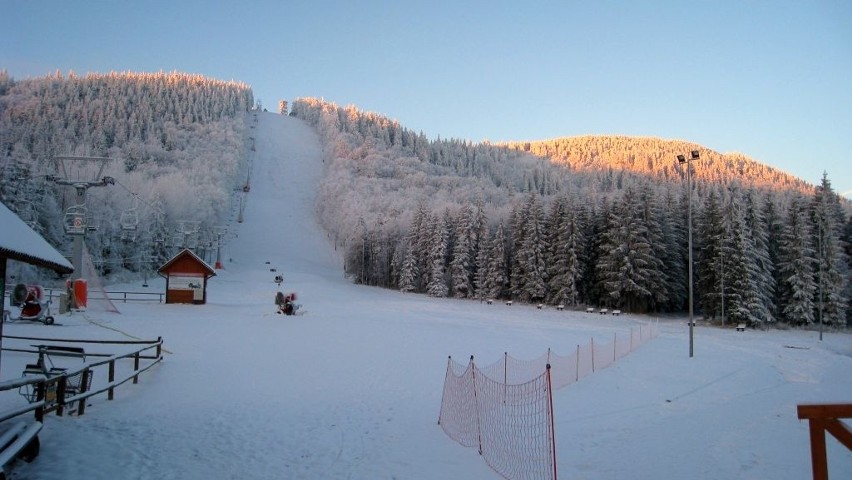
{"x":186,"y":278}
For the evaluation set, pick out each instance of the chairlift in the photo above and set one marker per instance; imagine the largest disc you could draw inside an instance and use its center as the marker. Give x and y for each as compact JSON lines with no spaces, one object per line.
{"x":129,"y":220}
{"x":129,"y":224}
{"x":75,"y":220}
{"x":128,"y":236}
{"x":177,"y":240}
{"x":92,"y":223}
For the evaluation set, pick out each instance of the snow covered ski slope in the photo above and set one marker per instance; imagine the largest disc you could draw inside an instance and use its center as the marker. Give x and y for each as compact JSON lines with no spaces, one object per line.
{"x":352,"y":388}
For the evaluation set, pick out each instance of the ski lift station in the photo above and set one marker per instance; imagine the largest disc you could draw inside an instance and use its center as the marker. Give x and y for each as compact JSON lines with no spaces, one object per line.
{"x":186,"y":278}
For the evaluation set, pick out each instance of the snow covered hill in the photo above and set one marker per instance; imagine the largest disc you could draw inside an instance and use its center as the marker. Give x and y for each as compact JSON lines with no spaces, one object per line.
{"x":352,"y":387}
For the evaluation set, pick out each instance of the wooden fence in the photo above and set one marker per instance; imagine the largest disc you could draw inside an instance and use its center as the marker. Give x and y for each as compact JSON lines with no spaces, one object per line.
{"x":21,"y":440}
{"x":113,"y":295}
{"x":824,"y":418}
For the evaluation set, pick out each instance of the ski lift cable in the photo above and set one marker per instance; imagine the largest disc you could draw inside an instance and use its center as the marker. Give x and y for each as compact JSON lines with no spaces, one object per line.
{"x":137,"y":197}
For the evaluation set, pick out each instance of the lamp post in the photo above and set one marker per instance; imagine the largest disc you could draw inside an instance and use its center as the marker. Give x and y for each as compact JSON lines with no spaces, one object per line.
{"x":722,"y":278}
{"x":693,"y":155}
{"x":820,"y":248}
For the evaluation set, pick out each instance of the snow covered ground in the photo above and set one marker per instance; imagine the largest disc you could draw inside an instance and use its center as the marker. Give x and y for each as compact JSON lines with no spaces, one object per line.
{"x":352,"y":387}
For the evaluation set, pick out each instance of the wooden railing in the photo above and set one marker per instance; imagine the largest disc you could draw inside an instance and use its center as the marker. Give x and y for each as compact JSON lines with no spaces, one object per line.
{"x":21,"y":440}
{"x":115,"y":296}
{"x":42,"y":384}
{"x":825,"y":418}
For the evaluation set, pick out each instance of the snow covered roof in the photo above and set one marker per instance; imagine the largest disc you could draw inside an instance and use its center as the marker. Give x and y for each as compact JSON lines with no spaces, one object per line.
{"x":20,"y":242}
{"x":208,"y":270}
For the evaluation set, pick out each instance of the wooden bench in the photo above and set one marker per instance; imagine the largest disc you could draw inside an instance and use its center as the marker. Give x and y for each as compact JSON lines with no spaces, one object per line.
{"x":560,"y":307}
{"x":604,"y":311}
{"x":616,"y":312}
{"x":590,"y":310}
{"x":539,"y":306}
{"x":509,"y":303}
{"x":489,"y":301}
{"x":741,"y":327}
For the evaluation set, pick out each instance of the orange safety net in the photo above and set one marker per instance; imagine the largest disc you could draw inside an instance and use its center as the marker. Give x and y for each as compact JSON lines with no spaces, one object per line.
{"x":505,"y":409}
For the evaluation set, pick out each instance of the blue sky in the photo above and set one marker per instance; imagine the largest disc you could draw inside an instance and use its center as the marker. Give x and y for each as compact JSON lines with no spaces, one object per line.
{"x":770,"y":79}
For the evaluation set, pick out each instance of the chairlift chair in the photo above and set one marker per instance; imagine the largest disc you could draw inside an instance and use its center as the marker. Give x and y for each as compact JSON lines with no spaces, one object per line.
{"x":75,"y":220}
{"x":55,"y":360}
{"x":129,"y":220}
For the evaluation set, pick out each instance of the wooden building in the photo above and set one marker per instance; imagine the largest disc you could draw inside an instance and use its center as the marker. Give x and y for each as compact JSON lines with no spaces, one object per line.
{"x":186,"y":278}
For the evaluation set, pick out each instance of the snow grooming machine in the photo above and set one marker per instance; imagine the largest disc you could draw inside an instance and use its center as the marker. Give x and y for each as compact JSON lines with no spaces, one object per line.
{"x":30,"y":301}
{"x":285,"y":303}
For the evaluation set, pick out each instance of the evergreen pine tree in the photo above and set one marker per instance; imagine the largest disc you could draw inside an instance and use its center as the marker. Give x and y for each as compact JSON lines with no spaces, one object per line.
{"x":760,"y":259}
{"x":408,"y":272}
{"x":517,"y":272}
{"x":655,"y":274}
{"x":797,"y":267}
{"x":479,"y":248}
{"x":774,"y":227}
{"x":847,"y":242}
{"x":712,"y":234}
{"x":497,"y":279}
{"x":741,"y":296}
{"x":625,"y":267}
{"x":832,"y":268}
{"x":460,"y":266}
{"x":590,"y":286}
{"x":437,"y":284}
{"x":567,"y":249}
{"x":531,"y":256}
{"x":674,"y":261}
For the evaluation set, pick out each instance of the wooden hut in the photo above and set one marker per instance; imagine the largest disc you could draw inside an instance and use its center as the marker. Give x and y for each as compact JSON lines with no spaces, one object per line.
{"x":186,"y":278}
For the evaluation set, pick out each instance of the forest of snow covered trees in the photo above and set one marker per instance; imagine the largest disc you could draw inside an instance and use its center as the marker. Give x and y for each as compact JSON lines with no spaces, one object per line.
{"x":598,"y":221}
{"x":178,"y":144}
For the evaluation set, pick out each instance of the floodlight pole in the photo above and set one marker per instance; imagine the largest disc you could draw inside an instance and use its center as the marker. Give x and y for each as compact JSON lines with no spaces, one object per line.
{"x":694,"y":155}
{"x":819,"y":247}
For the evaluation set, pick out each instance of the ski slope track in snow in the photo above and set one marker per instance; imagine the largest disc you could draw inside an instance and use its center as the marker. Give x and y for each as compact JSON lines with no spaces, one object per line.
{"x":351,"y":388}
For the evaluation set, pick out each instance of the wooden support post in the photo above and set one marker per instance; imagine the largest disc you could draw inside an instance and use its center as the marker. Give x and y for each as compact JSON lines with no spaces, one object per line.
{"x":110,"y":379}
{"x":60,"y":395}
{"x":84,"y":381}
{"x":136,"y":367}
{"x":822,"y":418}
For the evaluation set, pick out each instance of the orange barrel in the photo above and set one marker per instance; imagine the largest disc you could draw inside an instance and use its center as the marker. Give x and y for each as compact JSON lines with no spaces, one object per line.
{"x":81,"y":293}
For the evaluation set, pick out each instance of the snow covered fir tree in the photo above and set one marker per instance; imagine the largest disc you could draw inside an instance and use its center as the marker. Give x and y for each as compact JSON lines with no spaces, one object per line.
{"x":586,"y":221}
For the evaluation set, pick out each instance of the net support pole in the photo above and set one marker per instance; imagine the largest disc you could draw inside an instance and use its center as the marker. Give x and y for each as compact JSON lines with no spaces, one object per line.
{"x":614,"y":346}
{"x":476,"y":403}
{"x":577,"y":364}
{"x":505,"y":375}
{"x":593,"y":354}
{"x":444,"y":393}
{"x":552,"y":423}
